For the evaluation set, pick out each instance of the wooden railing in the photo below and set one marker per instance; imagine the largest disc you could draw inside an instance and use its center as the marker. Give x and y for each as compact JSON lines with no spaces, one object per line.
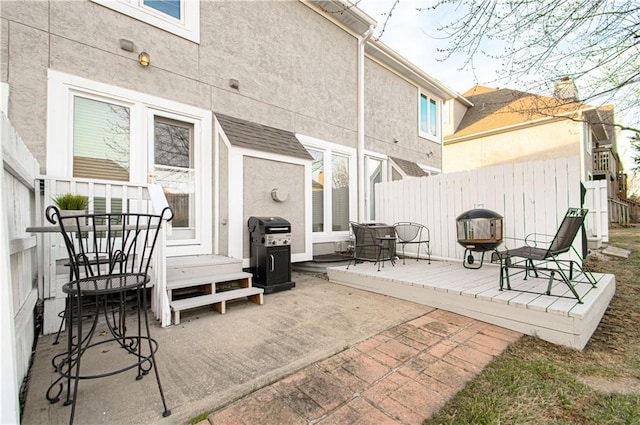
{"x":103,"y":196}
{"x":618,"y":212}
{"x":604,"y":161}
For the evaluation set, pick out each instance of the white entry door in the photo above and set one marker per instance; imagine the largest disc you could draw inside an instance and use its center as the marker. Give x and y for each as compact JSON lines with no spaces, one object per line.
{"x":176,"y":161}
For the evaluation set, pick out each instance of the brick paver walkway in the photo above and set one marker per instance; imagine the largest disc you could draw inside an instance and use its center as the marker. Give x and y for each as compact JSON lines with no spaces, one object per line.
{"x":400,"y":376}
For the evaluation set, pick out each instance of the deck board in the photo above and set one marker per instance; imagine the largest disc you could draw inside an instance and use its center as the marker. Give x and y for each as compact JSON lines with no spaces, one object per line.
{"x":475,"y":293}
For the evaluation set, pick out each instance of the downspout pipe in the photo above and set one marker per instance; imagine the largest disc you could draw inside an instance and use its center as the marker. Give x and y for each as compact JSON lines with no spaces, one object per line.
{"x":362,"y":42}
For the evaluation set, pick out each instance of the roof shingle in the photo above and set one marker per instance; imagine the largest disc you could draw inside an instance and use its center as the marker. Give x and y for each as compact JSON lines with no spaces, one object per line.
{"x":498,"y":108}
{"x":260,"y":137}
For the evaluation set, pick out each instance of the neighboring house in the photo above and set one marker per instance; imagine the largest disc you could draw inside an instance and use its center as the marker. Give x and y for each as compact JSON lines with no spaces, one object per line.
{"x":505,"y":126}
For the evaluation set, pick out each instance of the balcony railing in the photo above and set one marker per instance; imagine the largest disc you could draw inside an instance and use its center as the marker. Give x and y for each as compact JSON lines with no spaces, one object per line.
{"x":604,"y":162}
{"x":104,"y":196}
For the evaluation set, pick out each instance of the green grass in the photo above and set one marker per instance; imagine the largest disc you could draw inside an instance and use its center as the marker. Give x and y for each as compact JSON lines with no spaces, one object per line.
{"x":197,"y":419}
{"x":536,"y":382}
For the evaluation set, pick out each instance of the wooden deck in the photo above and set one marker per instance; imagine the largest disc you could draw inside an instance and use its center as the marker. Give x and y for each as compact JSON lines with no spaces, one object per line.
{"x":475,"y":293}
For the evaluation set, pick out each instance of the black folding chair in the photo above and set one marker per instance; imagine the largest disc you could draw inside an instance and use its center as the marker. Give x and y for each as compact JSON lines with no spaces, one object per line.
{"x":535,"y":260}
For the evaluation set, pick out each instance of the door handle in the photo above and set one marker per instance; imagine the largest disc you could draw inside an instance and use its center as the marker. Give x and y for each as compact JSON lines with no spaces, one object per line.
{"x":273,"y":261}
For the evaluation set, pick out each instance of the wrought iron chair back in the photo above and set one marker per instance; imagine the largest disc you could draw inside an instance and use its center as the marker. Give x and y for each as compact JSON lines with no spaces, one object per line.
{"x":370,"y":246}
{"x":109,"y":244}
{"x":413,"y":233}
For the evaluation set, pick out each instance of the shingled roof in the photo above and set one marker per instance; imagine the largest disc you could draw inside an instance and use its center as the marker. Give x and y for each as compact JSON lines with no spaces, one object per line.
{"x":409,"y":168}
{"x":247,"y":134}
{"x":498,"y":108}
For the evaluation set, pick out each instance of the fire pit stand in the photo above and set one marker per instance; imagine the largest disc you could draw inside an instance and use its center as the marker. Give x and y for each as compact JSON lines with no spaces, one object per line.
{"x":479,"y":230}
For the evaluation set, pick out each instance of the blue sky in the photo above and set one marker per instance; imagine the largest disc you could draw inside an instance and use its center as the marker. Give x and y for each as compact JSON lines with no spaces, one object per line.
{"x":414,"y":35}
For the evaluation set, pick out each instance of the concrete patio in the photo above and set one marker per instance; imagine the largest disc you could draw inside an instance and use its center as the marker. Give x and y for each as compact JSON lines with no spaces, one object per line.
{"x":320,"y":353}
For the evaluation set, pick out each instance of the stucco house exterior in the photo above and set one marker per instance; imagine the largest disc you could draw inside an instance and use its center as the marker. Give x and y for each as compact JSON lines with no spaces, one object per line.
{"x":345,"y":102}
{"x":238,"y":109}
{"x":506,"y":126}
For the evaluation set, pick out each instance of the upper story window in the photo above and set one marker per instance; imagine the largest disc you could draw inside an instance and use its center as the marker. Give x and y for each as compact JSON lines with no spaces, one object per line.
{"x":429,"y":112}
{"x":168,"y":7}
{"x":179,"y":17}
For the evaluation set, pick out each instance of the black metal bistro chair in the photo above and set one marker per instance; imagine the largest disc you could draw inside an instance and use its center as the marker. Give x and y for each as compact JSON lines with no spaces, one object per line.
{"x":534,"y":260}
{"x":109,"y":255}
{"x":371,"y":246}
{"x":409,"y":233}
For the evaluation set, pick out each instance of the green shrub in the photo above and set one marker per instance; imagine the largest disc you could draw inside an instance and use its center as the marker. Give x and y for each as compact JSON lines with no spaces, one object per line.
{"x":69,"y":201}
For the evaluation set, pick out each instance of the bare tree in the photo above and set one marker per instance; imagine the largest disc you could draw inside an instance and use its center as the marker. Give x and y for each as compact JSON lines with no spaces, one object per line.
{"x":595,"y":43}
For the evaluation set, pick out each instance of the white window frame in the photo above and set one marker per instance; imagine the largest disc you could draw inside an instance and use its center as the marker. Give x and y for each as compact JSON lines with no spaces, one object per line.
{"x":428,"y":135}
{"x":188,"y":26}
{"x":64,"y":87}
{"x":385,"y":178}
{"x":329,"y":149}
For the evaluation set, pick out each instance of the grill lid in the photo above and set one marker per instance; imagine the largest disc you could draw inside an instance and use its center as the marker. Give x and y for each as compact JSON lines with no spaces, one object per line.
{"x":478,"y":213}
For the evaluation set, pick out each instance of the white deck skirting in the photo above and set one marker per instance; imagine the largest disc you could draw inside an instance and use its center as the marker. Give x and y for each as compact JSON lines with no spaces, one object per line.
{"x":475,"y":293}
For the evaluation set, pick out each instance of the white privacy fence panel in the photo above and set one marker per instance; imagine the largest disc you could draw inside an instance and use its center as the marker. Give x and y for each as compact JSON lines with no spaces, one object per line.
{"x":533,"y":197}
{"x":596,"y":200}
{"x":18,"y":270}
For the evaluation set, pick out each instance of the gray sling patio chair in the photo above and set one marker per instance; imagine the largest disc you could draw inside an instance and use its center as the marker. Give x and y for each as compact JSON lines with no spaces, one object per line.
{"x":535,"y":260}
{"x":413,"y":233}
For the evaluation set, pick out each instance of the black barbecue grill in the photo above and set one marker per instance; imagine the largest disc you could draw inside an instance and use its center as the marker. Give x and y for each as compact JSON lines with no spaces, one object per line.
{"x":479,"y":230}
{"x":270,"y":245}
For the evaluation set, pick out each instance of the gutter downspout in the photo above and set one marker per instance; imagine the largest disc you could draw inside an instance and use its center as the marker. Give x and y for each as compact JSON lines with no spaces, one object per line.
{"x":362,"y":41}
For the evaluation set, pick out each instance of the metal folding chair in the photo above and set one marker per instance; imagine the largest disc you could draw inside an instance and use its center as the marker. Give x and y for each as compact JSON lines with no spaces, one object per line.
{"x":535,"y":260}
{"x":409,"y":233}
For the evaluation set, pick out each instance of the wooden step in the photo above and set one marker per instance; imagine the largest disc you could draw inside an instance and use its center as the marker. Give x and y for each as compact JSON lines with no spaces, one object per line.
{"x":186,"y":282}
{"x":201,"y":265}
{"x":219,"y":300}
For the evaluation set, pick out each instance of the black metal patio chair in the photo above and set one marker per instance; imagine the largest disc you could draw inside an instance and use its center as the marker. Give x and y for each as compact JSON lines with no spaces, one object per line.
{"x":535,"y":260}
{"x":409,"y":233}
{"x":110,"y":256}
{"x":370,"y":246}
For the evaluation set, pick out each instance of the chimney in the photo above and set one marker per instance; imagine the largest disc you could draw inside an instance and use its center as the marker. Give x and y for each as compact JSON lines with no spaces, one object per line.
{"x":565,"y":89}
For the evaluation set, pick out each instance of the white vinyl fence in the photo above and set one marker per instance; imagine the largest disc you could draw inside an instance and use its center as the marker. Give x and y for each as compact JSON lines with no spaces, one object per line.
{"x":18,"y":271}
{"x":597,"y":202}
{"x":533,"y":197}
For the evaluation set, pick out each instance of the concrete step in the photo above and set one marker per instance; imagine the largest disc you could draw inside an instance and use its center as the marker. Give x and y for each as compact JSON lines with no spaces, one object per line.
{"x":218,"y":300}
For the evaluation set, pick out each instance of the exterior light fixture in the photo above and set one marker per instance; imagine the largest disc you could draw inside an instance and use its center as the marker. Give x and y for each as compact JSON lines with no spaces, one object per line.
{"x":144,"y":58}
